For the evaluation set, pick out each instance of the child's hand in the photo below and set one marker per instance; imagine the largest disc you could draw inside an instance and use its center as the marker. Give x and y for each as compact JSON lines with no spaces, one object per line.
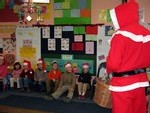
{"x":26,"y":76}
{"x":54,"y":80}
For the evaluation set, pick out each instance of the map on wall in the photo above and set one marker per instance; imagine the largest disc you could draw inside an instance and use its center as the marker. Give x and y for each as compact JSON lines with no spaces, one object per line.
{"x":72,"y":11}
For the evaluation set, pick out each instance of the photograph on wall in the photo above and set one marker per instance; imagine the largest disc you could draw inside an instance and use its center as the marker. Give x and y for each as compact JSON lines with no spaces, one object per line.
{"x":46,"y":32}
{"x":58,"y":32}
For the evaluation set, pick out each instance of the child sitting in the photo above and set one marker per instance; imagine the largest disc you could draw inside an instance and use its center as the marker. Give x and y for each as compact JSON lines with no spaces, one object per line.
{"x":16,"y":75}
{"x":3,"y":72}
{"x":53,"y":78}
{"x":40,"y":75}
{"x":26,"y":77}
{"x":84,"y":81}
{"x":67,"y":83}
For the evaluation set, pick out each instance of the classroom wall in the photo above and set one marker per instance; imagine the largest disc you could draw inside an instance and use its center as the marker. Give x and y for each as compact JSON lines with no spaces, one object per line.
{"x":96,"y":5}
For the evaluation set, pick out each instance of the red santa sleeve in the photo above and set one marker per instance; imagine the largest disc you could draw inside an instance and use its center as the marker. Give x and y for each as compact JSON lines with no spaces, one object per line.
{"x":115,"y":55}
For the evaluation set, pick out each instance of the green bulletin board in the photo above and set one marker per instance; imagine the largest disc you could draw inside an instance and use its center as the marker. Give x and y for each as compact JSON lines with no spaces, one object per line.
{"x":72,"y":12}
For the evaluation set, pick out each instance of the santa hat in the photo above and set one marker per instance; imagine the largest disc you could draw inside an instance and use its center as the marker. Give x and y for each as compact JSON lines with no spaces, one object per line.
{"x":68,"y":64}
{"x":41,"y":61}
{"x":85,"y":66}
{"x":27,"y":63}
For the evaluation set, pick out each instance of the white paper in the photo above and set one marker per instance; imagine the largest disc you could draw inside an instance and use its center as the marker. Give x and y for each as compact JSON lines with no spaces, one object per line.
{"x":46,"y":32}
{"x":68,"y":28}
{"x":78,"y":38}
{"x":89,"y":48}
{"x":27,"y":43}
{"x":57,"y":32}
{"x":51,"y":44}
{"x":65,"y":44}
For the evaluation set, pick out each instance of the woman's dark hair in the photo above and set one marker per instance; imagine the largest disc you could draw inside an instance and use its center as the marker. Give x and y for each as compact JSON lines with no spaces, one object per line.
{"x":17,"y":63}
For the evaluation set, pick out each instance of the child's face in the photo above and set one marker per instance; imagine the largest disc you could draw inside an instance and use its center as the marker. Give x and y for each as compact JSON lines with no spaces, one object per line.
{"x":1,"y":62}
{"x":55,"y":66}
{"x":69,"y":69}
{"x":17,"y":67}
{"x":85,"y":70}
{"x":25,"y":67}
{"x":40,"y":66}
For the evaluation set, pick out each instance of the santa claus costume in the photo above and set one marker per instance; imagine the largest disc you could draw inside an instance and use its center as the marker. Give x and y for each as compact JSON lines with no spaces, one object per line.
{"x":128,"y":57}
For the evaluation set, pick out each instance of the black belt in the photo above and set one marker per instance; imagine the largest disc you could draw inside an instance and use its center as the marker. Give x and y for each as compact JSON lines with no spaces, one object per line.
{"x":129,"y":73}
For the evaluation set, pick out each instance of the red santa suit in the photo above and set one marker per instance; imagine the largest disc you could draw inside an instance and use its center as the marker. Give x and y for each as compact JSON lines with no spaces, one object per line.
{"x":128,"y":57}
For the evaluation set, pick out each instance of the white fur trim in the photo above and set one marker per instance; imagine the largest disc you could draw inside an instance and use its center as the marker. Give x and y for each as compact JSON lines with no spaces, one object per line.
{"x":30,"y":72}
{"x":68,"y":65}
{"x":114,"y":19}
{"x":85,"y":66}
{"x":128,"y":87}
{"x":45,"y":71}
{"x":39,"y":62}
{"x":134,"y":37}
{"x":25,"y":64}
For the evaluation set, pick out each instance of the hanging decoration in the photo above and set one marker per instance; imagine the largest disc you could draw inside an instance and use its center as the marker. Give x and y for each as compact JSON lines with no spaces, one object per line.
{"x":29,"y":8}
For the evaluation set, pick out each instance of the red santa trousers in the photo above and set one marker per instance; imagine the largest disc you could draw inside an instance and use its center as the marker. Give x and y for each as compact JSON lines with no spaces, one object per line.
{"x":133,"y":101}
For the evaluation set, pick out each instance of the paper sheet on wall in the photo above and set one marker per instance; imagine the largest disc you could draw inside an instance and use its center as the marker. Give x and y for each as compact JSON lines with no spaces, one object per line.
{"x":9,"y":46}
{"x":89,"y":48}
{"x":66,"y":57}
{"x":27,"y":43}
{"x":83,"y":4}
{"x":77,"y":46}
{"x":58,"y":13}
{"x":103,"y":15}
{"x":79,"y":30}
{"x":27,"y":52}
{"x":47,"y":15}
{"x":58,"y":32}
{"x":46,"y":32}
{"x":78,"y":38}
{"x":68,"y":28}
{"x":51,"y":44}
{"x":91,"y":37}
{"x":57,"y":5}
{"x":65,"y":44}
{"x":75,"y":12}
{"x":66,"y":5}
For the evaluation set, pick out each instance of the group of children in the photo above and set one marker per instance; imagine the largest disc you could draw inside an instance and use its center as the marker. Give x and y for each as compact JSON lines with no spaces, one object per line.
{"x":55,"y":82}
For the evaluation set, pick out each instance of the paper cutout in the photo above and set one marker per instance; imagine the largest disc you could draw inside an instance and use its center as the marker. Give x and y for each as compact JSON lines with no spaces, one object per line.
{"x":109,"y":31}
{"x":27,"y":43}
{"x":58,"y":13}
{"x":65,"y":44}
{"x":46,"y":32}
{"x":7,"y":29}
{"x":58,"y":32}
{"x":51,"y":44}
{"x":57,"y":5}
{"x":66,"y":57}
{"x":75,"y":12}
{"x":101,"y":57}
{"x":89,"y":48}
{"x":78,"y":38}
{"x":66,"y":13}
{"x":74,"y":4}
{"x":79,"y":30}
{"x":66,"y":5}
{"x":77,"y":46}
{"x":85,"y":13}
{"x":92,"y":30}
{"x":67,"y":28}
{"x":91,"y":37}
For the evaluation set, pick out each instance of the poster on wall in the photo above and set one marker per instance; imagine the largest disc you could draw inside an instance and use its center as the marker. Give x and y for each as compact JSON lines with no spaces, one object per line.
{"x":65,"y":44}
{"x":46,"y":32}
{"x":28,"y":44}
{"x":51,"y":44}
{"x":9,"y":46}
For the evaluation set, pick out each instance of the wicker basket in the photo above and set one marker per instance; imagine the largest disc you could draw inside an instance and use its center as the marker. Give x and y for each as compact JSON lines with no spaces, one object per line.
{"x":102,"y":95}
